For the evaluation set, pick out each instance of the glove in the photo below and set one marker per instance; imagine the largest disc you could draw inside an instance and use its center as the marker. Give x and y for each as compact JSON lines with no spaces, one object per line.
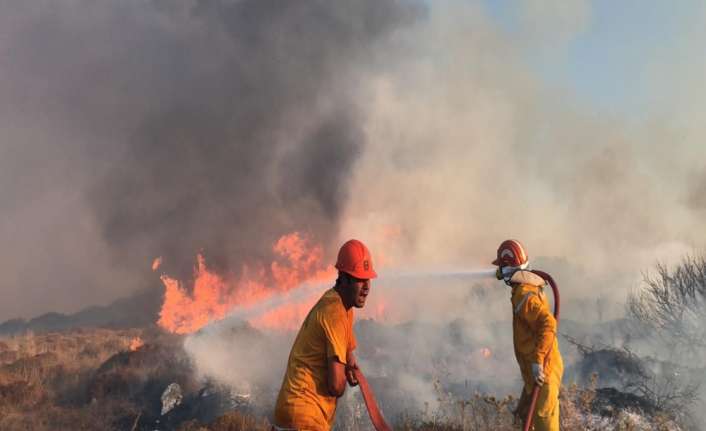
{"x":538,"y":374}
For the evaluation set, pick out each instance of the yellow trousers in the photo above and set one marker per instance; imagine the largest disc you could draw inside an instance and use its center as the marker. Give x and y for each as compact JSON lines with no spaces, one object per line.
{"x":546,"y":413}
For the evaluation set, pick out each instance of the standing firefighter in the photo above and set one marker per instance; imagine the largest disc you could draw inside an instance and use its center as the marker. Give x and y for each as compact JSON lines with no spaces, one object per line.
{"x":534,"y":336}
{"x":322,"y":358}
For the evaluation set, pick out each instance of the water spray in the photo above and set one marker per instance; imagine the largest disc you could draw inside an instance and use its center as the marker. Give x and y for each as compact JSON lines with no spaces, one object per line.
{"x":307,"y":290}
{"x":467,"y":274}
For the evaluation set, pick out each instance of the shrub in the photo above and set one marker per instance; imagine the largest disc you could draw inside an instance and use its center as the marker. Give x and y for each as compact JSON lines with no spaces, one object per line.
{"x":672,"y":304}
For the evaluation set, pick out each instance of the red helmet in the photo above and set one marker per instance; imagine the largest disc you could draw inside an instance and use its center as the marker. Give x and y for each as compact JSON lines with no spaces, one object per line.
{"x":511,"y":253}
{"x":354,"y":259}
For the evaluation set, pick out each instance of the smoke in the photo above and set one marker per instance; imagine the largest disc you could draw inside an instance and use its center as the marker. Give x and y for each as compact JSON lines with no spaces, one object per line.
{"x":138,"y":129}
{"x":241,"y":357}
{"x":145,"y":129}
{"x":468,"y":146}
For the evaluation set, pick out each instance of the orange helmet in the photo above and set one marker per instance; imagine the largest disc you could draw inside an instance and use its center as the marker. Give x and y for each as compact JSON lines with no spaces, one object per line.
{"x":511,"y":253}
{"x":354,"y":259}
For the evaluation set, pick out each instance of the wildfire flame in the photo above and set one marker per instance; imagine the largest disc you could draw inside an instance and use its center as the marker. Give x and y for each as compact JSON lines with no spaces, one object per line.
{"x":486,"y":352}
{"x":213,"y":295}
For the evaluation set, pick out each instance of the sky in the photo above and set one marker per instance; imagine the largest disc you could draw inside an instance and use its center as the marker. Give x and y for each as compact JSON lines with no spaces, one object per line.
{"x":604,"y":60}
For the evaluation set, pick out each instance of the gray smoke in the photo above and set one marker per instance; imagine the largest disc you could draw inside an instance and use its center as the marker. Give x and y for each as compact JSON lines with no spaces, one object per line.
{"x":473,"y":146}
{"x":137,"y":129}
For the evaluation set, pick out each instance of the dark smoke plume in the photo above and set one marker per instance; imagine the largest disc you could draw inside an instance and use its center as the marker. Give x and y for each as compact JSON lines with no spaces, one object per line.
{"x":135,"y":129}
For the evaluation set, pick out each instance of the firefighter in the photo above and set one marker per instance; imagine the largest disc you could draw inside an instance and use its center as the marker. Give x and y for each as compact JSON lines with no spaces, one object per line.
{"x":321,"y":359}
{"x":534,"y":331}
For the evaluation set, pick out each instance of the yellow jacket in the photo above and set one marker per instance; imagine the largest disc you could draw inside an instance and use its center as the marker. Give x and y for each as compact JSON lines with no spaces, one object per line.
{"x":304,"y":402}
{"x":534,"y":329}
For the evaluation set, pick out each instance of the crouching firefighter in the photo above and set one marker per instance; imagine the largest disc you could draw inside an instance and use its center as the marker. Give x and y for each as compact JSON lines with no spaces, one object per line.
{"x":534,"y":331}
{"x":321,"y":359}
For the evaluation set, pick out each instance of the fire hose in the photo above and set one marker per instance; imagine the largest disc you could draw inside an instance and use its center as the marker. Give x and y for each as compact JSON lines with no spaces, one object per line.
{"x":370,"y":403}
{"x":535,"y":391}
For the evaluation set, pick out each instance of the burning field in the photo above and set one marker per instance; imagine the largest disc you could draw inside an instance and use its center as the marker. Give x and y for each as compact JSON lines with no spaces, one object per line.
{"x":214,"y":356}
{"x":176,"y":178}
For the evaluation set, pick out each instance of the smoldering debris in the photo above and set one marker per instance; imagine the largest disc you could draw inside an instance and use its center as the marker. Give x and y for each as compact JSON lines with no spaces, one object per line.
{"x":171,"y":397}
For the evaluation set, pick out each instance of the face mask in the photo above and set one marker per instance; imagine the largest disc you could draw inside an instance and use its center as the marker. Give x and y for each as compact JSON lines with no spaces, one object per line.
{"x":506,"y":272}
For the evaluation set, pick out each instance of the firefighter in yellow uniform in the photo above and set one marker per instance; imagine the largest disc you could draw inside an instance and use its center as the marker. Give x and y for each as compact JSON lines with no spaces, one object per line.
{"x":321,"y":360}
{"x":534,"y":331}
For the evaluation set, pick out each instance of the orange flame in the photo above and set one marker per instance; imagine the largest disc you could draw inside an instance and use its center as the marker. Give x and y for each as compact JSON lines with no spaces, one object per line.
{"x":213,"y":295}
{"x":156,"y":263}
{"x":136,"y":343}
{"x":486,"y":352}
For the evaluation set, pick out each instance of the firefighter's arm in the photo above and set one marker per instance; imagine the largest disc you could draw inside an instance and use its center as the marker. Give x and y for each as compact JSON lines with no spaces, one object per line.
{"x":337,"y":349}
{"x":543,"y":324}
{"x":336,"y":377}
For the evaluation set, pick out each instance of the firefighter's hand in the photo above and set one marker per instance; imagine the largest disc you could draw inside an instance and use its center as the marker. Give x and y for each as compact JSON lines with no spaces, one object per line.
{"x":350,"y":366}
{"x":538,"y":374}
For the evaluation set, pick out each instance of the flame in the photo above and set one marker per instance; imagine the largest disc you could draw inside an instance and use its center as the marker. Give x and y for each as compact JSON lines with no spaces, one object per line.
{"x":213,"y":295}
{"x":136,"y":343}
{"x":156,"y":263}
{"x":486,"y":352}
{"x":304,"y":262}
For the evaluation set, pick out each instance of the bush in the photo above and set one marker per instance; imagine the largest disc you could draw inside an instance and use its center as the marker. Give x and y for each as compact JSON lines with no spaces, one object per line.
{"x":672,"y":304}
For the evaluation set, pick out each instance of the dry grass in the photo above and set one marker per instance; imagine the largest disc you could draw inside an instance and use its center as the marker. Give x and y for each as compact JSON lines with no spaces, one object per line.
{"x":233,"y":421}
{"x":43,"y":377}
{"x":88,"y":380}
{"x":78,"y":349}
{"x":477,"y":413}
